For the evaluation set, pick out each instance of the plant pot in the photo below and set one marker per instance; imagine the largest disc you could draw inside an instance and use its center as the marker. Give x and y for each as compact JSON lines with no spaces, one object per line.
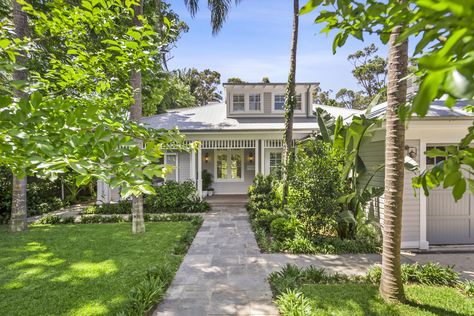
{"x":210,"y":193}
{"x":205,"y":193}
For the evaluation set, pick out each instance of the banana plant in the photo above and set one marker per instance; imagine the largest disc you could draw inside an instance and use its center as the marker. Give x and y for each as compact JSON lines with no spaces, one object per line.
{"x":349,"y":139}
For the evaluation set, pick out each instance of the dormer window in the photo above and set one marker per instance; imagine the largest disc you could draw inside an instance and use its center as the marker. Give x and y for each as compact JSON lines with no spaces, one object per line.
{"x":238,"y":102}
{"x":279,"y":102}
{"x":298,"y":102}
{"x":255,"y":102}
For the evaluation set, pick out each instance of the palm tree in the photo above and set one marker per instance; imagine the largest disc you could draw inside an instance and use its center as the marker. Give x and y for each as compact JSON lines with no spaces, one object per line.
{"x":391,"y":286}
{"x":18,"y":220}
{"x":138,"y":221}
{"x":290,"y":102}
{"x":219,"y":10}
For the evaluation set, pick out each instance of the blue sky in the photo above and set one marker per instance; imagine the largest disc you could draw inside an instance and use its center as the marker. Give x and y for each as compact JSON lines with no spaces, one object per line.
{"x":255,"y":42}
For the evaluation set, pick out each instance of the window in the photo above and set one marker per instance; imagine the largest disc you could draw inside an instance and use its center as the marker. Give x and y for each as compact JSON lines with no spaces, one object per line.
{"x":275,"y":162}
{"x":229,"y":165}
{"x":279,"y":102}
{"x":255,"y":102}
{"x":238,"y":102}
{"x":298,"y":102}
{"x":172,"y":161}
{"x":435,"y":160}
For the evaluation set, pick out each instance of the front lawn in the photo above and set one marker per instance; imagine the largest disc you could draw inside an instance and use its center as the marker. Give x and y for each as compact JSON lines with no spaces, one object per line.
{"x":81,"y":269}
{"x":363,"y":299}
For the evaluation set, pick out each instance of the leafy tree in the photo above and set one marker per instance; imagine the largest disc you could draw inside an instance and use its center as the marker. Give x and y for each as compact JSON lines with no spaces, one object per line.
{"x":290,"y":103}
{"x":75,"y":113}
{"x":235,"y":80}
{"x":370,"y":71}
{"x":265,"y":80}
{"x":202,"y":84}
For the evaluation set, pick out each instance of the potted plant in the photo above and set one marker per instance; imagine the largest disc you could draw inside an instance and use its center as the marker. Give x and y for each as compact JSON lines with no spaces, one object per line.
{"x":206,"y":183}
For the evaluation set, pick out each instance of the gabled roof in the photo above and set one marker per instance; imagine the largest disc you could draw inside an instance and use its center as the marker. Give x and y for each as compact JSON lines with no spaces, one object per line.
{"x":437,"y":110}
{"x":212,"y":117}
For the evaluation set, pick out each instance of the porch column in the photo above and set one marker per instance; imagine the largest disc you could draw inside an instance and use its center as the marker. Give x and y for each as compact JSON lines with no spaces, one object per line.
{"x":199,"y":172}
{"x":423,"y":203}
{"x":262,"y":156}
{"x":192,"y":169}
{"x":256,"y":157}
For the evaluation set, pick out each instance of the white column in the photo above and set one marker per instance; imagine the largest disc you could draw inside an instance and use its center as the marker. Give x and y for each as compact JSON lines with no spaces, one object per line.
{"x":262,"y":156}
{"x":423,"y":203}
{"x":192,"y":169}
{"x":256,"y":157}
{"x":199,"y":172}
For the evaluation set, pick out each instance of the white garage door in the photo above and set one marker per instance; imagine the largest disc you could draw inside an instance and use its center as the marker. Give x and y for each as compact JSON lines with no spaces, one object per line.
{"x":449,"y":222}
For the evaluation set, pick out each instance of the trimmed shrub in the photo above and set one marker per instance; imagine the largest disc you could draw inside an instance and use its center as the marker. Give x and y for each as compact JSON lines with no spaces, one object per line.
{"x":263,"y":218}
{"x":467,"y":287}
{"x":262,"y":195}
{"x":121,"y":207}
{"x":50,"y":219}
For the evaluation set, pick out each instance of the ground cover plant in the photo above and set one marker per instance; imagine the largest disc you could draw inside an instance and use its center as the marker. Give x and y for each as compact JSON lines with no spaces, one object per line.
{"x":430,"y":289}
{"x":312,"y":219}
{"x":95,"y":269}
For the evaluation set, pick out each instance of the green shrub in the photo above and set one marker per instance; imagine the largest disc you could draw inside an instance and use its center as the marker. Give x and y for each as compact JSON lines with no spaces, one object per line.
{"x":316,"y":183}
{"x":263,"y":218}
{"x":293,"y":303}
{"x":206,"y":180}
{"x":172,"y":197}
{"x":428,"y":274}
{"x":284,"y":228}
{"x":68,"y":220}
{"x":144,"y":296}
{"x":262,"y":195}
{"x":194,"y":204}
{"x":50,"y":219}
{"x":287,"y":278}
{"x":299,"y":244}
{"x":467,"y":287}
{"x":121,"y":207}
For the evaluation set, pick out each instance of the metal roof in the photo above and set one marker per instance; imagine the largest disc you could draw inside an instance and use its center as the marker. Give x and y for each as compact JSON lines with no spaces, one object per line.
{"x":213,"y":117}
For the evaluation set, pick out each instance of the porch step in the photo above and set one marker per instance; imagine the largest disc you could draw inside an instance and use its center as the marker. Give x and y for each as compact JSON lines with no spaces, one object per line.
{"x":227,"y":200}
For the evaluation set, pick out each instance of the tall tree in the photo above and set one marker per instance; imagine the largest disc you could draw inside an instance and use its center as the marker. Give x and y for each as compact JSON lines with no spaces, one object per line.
{"x":391,"y":286}
{"x":136,"y":109}
{"x":290,"y":103}
{"x":219,"y":11}
{"x":19,"y":213}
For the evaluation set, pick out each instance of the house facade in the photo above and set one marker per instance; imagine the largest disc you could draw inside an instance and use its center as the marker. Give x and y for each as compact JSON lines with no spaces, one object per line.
{"x":242,"y":137}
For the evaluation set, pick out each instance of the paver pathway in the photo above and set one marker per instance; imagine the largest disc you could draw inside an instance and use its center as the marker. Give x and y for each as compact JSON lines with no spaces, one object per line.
{"x":222,"y":272}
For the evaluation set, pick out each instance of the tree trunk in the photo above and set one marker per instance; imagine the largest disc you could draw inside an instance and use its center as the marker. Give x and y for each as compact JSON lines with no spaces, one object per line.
{"x":19,"y":209}
{"x":290,"y":102}
{"x":391,"y":287}
{"x":138,"y":222}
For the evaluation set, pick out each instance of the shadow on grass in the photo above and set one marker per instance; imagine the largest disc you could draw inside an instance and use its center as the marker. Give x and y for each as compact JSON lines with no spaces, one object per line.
{"x":79,"y":269}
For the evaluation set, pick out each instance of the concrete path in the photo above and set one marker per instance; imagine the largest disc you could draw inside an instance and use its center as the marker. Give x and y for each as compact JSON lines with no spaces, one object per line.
{"x":222,"y":272}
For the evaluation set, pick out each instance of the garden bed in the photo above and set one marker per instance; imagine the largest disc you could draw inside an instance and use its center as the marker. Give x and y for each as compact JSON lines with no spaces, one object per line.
{"x":429,"y":289}
{"x":90,"y":269}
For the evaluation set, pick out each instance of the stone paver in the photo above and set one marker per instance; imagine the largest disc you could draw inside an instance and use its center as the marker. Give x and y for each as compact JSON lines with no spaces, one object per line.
{"x":222,"y":274}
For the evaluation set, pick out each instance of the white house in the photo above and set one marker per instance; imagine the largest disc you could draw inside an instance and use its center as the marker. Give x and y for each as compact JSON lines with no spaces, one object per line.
{"x":242,"y":137}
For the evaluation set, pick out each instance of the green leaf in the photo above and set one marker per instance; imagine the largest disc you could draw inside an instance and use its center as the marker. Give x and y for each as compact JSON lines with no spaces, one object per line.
{"x":35,"y":99}
{"x":146,"y":189}
{"x":459,"y":189}
{"x":451,"y":179}
{"x":428,"y":91}
{"x":310,"y":6}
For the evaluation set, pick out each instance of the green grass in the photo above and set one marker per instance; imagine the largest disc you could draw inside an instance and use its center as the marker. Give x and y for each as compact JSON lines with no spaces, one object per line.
{"x":356,"y":299}
{"x":80,"y":269}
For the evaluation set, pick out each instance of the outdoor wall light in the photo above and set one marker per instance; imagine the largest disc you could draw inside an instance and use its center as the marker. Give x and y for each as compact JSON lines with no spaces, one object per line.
{"x":251,"y":157}
{"x":411,"y":151}
{"x":206,"y":157}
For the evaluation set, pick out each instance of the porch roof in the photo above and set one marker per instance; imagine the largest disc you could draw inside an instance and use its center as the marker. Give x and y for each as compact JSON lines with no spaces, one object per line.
{"x":212,"y":117}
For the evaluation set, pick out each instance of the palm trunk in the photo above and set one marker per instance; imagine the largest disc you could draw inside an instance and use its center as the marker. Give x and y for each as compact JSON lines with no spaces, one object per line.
{"x":391,"y":286}
{"x":138,"y":222}
{"x":290,"y":102}
{"x":19,"y":209}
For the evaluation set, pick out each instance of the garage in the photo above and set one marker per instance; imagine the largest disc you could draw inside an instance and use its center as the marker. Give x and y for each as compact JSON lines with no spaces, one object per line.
{"x":448,"y":222}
